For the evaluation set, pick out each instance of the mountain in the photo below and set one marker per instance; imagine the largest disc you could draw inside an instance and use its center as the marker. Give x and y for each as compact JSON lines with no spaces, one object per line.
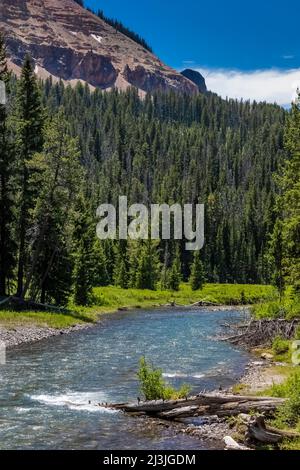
{"x":70,"y":43}
{"x":196,"y":78}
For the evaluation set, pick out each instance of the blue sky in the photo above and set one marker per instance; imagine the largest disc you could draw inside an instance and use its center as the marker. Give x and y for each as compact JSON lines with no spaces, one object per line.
{"x":245,"y":42}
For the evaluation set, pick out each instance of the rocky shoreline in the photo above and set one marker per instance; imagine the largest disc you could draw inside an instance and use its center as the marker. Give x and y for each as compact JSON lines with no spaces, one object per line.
{"x":19,"y":335}
{"x":258,"y":376}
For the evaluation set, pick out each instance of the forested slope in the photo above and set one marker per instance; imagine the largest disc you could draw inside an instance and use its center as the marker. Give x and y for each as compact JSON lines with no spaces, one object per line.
{"x":67,"y":150}
{"x":174,"y":148}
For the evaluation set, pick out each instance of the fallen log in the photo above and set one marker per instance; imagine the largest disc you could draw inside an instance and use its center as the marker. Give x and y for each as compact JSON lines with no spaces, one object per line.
{"x":4,"y":301}
{"x":204,"y":303}
{"x":184,"y":412}
{"x":259,"y":431}
{"x":286,"y":434}
{"x":20,"y":304}
{"x":202,"y":405}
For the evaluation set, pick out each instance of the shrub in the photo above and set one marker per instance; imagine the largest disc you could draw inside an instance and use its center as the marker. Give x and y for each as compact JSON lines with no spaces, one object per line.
{"x":272,"y":309}
{"x":153,"y":386}
{"x":289,"y":413}
{"x":280,"y":345}
{"x":288,"y":307}
{"x":243,"y":298}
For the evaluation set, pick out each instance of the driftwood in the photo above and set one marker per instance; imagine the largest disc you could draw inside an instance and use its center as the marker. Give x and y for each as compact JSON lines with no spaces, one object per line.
{"x":262,"y":332}
{"x":203,"y":303}
{"x":183,"y":412}
{"x":202,"y":405}
{"x":259,"y":431}
{"x":4,"y":301}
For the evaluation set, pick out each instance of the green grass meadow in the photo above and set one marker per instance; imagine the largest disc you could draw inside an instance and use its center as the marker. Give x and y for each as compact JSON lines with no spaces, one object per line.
{"x":110,"y":299}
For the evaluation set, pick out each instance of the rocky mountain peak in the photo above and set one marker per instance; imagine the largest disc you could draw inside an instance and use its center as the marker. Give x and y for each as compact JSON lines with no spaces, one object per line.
{"x":70,"y":43}
{"x":195,"y":77}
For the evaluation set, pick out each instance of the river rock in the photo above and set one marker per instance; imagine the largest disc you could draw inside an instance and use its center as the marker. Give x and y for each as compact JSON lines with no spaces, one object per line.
{"x":267,"y":356}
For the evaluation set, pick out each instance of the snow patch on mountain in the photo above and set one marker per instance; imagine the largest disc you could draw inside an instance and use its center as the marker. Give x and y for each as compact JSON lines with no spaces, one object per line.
{"x":97,"y":38}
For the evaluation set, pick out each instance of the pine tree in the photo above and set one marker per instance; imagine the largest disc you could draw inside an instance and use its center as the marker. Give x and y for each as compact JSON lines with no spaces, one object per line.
{"x":29,"y":123}
{"x":148,"y":265}
{"x":121,"y":274}
{"x":7,"y":201}
{"x":197,"y":277}
{"x":52,"y":278}
{"x":121,"y":271}
{"x":164,"y":277}
{"x":276,"y":254}
{"x":101,"y":274}
{"x":57,"y":172}
{"x":174,"y":274}
{"x":84,"y":262}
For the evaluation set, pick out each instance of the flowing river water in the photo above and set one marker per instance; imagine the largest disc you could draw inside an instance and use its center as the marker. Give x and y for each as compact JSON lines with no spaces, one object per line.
{"x":46,"y":387}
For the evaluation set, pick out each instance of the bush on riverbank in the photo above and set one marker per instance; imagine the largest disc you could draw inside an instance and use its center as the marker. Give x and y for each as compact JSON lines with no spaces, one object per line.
{"x":280,"y":345}
{"x":289,"y":413}
{"x":288,"y":307}
{"x":154,"y":387}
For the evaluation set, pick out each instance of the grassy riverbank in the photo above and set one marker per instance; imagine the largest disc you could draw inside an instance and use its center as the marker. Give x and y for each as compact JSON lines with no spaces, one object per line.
{"x":110,"y":299}
{"x":288,"y":307}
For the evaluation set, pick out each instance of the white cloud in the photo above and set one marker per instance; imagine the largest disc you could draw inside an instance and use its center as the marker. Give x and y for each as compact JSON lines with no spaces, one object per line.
{"x":261,"y":85}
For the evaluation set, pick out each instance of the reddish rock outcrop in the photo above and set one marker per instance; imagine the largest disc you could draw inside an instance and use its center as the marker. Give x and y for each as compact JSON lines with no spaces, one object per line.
{"x":70,"y":43}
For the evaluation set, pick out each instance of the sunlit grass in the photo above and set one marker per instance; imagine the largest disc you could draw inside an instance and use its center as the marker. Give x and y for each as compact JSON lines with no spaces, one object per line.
{"x":109,"y":299}
{"x":288,"y":307}
{"x":10,"y":318}
{"x":221,"y":294}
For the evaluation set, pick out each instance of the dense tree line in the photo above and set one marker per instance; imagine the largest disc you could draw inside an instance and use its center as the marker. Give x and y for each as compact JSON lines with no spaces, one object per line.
{"x":65,"y":151}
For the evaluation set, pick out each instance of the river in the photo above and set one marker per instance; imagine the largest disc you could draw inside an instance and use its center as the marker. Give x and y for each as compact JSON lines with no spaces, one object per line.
{"x":45,"y":388}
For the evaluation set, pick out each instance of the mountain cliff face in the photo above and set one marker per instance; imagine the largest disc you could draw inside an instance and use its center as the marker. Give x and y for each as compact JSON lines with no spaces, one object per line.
{"x":70,"y":43}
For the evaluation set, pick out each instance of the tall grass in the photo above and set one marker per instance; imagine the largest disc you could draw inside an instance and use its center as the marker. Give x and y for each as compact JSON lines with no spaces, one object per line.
{"x":288,"y":307}
{"x":289,"y":413}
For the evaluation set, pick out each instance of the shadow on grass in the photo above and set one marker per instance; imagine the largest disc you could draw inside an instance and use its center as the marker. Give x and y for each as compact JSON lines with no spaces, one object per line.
{"x":16,"y":305}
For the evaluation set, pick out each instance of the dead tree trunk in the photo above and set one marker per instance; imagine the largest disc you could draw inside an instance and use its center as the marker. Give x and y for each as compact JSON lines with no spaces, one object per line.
{"x":259,"y":431}
{"x":202,"y":405}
